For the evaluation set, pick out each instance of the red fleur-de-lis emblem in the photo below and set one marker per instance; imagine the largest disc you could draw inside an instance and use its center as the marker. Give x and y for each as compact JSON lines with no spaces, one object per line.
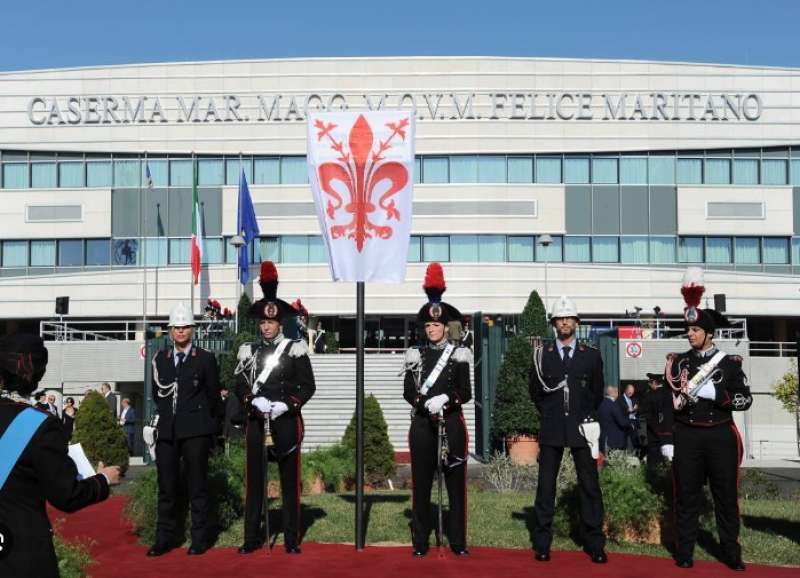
{"x":360,"y":166}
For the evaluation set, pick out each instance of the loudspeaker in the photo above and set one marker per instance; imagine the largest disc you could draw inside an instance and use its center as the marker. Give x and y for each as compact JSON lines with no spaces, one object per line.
{"x":719,"y":302}
{"x":62,"y":305}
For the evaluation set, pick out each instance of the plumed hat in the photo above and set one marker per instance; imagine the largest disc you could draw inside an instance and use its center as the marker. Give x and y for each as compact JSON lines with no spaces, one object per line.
{"x":269,"y":306}
{"x":436,"y":309}
{"x":692,"y":289}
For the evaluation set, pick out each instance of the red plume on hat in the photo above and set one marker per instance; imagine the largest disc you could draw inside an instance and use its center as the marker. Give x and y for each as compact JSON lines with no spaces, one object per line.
{"x":693,"y":286}
{"x":434,"y":283}
{"x":269,"y":280}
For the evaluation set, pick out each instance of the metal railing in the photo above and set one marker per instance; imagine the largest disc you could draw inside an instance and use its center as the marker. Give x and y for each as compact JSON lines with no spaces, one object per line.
{"x":126,"y":329}
{"x":773,"y":348}
{"x":654,"y":327}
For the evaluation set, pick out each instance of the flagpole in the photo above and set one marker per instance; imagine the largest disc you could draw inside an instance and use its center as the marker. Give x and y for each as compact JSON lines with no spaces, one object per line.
{"x":144,"y":247}
{"x":191,"y":273}
{"x":359,"y":415}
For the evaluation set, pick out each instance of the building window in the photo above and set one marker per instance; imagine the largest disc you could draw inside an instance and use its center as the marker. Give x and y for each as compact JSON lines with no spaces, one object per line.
{"x":774,"y":171}
{"x":463,"y":248}
{"x":98,"y":252}
{"x":155,"y":253}
{"x":125,"y":252}
{"x":492,"y":169}
{"x":267,"y":172}
{"x":520,"y":169}
{"x":796,"y":172}
{"x":15,"y":253}
{"x":554,"y":253}
{"x":776,"y":250}
{"x":548,"y":170}
{"x":605,"y":249}
{"x":159,"y":172}
{"x":719,"y":250}
{"x":98,"y":174}
{"x":576,"y":170}
{"x":294,"y":249}
{"x":661,"y":170}
{"x":43,"y":253}
{"x":662,"y":250}
{"x":70,"y":253}
{"x":269,"y":250}
{"x":464,"y":169}
{"x":520,"y":249}
{"x":180,"y":251}
{"x":436,"y":249}
{"x":213,"y":251}
{"x":633,"y":171}
{"x":127,"y":174}
{"x":43,"y":175}
{"x":604,"y":171}
{"x":796,"y":250}
{"x":210,"y":172}
{"x":746,"y":251}
{"x":577,"y":249}
{"x":634,"y":250}
{"x":15,"y":175}
{"x":718,"y":171}
{"x":180,"y":173}
{"x":690,"y":171}
{"x":234,"y":168}
{"x":690,"y":250}
{"x":491,"y":248}
{"x":745,"y":172}
{"x":294,"y":171}
{"x":414,"y":250}
{"x":70,"y":175}
{"x":317,"y":252}
{"x":435,"y":170}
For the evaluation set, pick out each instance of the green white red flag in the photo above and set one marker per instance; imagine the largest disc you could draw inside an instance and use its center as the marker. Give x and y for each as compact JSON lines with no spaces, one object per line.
{"x":198,"y":244}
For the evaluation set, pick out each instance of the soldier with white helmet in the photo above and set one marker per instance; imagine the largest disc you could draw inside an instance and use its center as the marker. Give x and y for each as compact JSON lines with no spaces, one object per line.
{"x":566,"y":385}
{"x":186,"y":392}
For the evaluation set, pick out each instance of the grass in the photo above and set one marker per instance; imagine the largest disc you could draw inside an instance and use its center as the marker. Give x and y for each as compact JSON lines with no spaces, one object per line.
{"x":770,"y":531}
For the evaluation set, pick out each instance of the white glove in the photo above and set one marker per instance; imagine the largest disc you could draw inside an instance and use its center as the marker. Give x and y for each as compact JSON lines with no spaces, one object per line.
{"x":245,"y":352}
{"x":436,"y":403}
{"x":708,"y":391}
{"x":590,"y":430}
{"x":277,"y":409}
{"x":668,"y":451}
{"x":262,"y":404}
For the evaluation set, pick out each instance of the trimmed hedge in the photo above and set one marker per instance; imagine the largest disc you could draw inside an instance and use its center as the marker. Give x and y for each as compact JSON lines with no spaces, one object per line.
{"x":99,"y":433}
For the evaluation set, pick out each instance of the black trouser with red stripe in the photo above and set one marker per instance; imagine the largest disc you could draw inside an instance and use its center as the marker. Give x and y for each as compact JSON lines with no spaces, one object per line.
{"x":422,"y":441}
{"x":701,"y":453}
{"x":287,"y":433}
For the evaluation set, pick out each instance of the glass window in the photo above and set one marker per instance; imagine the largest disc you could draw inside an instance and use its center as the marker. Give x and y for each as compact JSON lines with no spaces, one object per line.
{"x":70,"y":253}
{"x":633,"y":171}
{"x":15,"y":175}
{"x":159,"y":172}
{"x":98,"y":252}
{"x":548,"y":170}
{"x":294,"y":248}
{"x":604,"y":171}
{"x":520,"y":169}
{"x":70,"y":174}
{"x":690,"y":250}
{"x":745,"y":171}
{"x":180,"y":251}
{"x":796,"y":250}
{"x":576,"y":170}
{"x":414,"y":250}
{"x":43,"y":253}
{"x":155,"y":253}
{"x":492,"y":169}
{"x":605,"y":249}
{"x":417,"y":170}
{"x":98,"y":174}
{"x":270,"y":249}
{"x":662,"y":250}
{"x":180,"y":175}
{"x":317,"y":253}
{"x":294,"y":171}
{"x":464,"y":248}
{"x":796,"y":172}
{"x":435,"y":170}
{"x":520,"y":249}
{"x":436,"y":248}
{"x":633,"y":249}
{"x":491,"y":248}
{"x":233,"y":169}
{"x":774,"y":171}
{"x":213,"y":251}
{"x":267,"y":172}
{"x":718,"y":171}
{"x":125,"y":251}
{"x":126,"y":173}
{"x":43,"y":175}
{"x":552,"y":254}
{"x":776,"y":250}
{"x":746,"y":250}
{"x":464,"y":169}
{"x":661,"y":170}
{"x":690,"y":171}
{"x":210,"y":172}
{"x":15,"y":253}
{"x":719,"y":250}
{"x":577,"y":249}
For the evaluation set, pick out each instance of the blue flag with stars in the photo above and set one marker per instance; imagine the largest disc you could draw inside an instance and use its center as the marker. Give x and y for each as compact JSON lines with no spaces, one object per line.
{"x":247,"y":227}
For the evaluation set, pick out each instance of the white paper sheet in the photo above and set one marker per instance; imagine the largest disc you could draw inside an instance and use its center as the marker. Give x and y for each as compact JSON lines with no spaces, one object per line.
{"x":85,"y":469}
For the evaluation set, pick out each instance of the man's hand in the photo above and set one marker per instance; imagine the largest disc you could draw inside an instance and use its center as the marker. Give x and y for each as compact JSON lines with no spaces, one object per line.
{"x":435,"y":404}
{"x":111,"y":473}
{"x":262,"y":404}
{"x":277,"y":409}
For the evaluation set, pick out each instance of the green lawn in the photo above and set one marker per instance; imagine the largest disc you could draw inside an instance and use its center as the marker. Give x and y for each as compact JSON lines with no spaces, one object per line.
{"x":770,"y":533}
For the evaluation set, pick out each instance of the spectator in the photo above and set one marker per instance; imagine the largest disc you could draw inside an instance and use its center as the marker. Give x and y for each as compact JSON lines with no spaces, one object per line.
{"x":111,"y":399}
{"x":51,"y":404}
{"x":127,"y":419}
{"x":68,"y":417}
{"x":319,"y":339}
{"x":629,"y":403}
{"x":232,"y":415}
{"x":467,"y":338}
{"x":40,"y":401}
{"x":614,"y":425}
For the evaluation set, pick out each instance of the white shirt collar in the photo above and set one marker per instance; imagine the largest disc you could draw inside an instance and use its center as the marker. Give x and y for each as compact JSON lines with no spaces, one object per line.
{"x":561,"y":346}
{"x":176,"y":351}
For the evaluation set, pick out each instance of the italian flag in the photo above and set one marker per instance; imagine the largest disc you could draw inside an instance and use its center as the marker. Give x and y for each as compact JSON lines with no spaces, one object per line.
{"x":197,"y":230}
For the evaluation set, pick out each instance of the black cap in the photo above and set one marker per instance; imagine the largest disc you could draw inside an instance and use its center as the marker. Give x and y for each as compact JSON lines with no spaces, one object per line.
{"x":708,"y":320}
{"x":436,"y":310}
{"x":274,"y":309}
{"x":23,"y":362}
{"x":655,"y":376}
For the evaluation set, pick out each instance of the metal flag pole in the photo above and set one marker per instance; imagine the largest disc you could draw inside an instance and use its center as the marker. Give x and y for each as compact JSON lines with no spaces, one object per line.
{"x":359,"y":415}
{"x":191,"y":273}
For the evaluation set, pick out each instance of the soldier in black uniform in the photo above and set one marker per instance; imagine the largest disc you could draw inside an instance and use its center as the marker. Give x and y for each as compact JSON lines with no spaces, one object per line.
{"x":275,"y":380}
{"x":708,"y":386}
{"x":34,"y":466}
{"x":657,"y":414}
{"x":186,"y":392}
{"x":567,"y":387}
{"x":436,"y":385}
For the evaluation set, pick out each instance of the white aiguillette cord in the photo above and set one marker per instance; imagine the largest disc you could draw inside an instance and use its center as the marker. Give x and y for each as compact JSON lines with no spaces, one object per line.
{"x":434,"y":375}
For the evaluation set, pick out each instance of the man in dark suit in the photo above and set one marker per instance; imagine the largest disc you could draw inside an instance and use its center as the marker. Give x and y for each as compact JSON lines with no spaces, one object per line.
{"x":615,"y":427}
{"x":232,"y":416}
{"x":34,"y":466}
{"x":566,"y":385}
{"x":628,"y":401}
{"x":656,"y":411}
{"x":186,"y":391}
{"x":111,"y":399}
{"x":127,"y":419}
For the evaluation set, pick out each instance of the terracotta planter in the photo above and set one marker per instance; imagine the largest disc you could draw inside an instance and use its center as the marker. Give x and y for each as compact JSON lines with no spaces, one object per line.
{"x":317,"y":486}
{"x":523,"y":450}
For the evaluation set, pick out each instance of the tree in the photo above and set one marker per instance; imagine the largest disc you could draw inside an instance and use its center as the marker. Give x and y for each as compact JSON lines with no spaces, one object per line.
{"x":514,"y":412}
{"x":786,"y":390}
{"x":246,"y":323}
{"x":246,"y":334}
{"x":99,"y":433}
{"x":331,"y":343}
{"x":378,"y":450}
{"x":533,"y":322}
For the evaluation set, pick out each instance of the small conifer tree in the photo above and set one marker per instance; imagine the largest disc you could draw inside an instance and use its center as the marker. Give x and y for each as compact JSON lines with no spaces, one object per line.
{"x":378,"y":450}
{"x":99,"y":433}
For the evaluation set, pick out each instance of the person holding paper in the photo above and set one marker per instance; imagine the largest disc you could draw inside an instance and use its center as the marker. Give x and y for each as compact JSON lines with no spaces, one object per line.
{"x":34,"y":465}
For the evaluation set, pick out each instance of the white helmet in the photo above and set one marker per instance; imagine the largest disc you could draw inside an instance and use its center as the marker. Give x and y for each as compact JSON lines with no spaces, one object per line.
{"x":563,"y":307}
{"x":181,"y":316}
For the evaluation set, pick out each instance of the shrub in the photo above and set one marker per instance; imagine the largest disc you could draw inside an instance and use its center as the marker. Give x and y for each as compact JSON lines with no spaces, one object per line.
{"x":246,"y":323}
{"x":99,"y":433}
{"x":331,"y":343}
{"x":228,"y":361}
{"x":533,"y":322}
{"x":73,"y":558}
{"x":786,"y":390}
{"x":504,"y":475}
{"x":334,"y":465}
{"x":514,"y":413}
{"x":378,"y":450}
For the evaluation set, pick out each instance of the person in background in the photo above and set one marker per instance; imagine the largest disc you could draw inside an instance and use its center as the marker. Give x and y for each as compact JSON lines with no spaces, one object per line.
{"x":614,"y":424}
{"x":51,"y":404}
{"x":629,"y":403}
{"x":319,"y":339}
{"x":111,"y":399}
{"x":467,"y":339}
{"x":127,"y":419}
{"x":657,"y":414}
{"x":40,"y":401}
{"x":68,"y":417}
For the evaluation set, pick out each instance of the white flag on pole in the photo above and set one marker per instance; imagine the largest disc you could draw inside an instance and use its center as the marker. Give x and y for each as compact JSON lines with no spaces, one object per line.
{"x":361,"y":170}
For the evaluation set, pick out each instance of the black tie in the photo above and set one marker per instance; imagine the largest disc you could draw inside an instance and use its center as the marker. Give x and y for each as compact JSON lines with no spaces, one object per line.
{"x":181,"y":356}
{"x":565,"y":361}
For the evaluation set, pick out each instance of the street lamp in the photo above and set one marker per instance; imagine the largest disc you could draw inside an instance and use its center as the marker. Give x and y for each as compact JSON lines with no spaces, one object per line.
{"x":545,"y":241}
{"x":237,"y":242}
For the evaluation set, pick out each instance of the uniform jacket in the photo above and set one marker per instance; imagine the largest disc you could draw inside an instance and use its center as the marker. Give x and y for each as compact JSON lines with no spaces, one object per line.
{"x":43,"y":473}
{"x":730,"y":383}
{"x":199,"y":405}
{"x":290,"y":381}
{"x":561,"y":412}
{"x":614,"y":426}
{"x":656,"y":409}
{"x":453,"y":380}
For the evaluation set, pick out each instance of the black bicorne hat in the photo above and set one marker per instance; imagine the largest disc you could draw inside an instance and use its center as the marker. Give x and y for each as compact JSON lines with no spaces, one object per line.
{"x":435,"y":309}
{"x":269,"y":306}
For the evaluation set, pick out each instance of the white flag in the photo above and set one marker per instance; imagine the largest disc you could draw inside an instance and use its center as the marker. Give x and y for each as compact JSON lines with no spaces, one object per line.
{"x":361,"y":170}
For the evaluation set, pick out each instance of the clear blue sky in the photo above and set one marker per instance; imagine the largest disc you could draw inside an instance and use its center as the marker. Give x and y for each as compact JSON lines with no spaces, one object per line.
{"x":60,"y":33}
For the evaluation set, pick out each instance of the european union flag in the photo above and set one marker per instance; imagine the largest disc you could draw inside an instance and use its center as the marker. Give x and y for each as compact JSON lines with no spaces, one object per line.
{"x":247,"y":226}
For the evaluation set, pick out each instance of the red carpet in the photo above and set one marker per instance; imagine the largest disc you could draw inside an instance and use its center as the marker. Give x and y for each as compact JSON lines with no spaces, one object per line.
{"x":116,"y":554}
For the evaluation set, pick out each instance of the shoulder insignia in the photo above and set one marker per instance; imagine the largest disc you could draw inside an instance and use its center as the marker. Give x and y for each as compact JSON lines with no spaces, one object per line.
{"x":412,"y":356}
{"x":462,"y":355}
{"x":299,"y":348}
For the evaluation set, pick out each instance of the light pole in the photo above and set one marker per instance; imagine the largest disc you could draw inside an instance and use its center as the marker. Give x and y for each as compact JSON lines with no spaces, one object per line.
{"x":545,"y":241}
{"x":237,"y":241}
